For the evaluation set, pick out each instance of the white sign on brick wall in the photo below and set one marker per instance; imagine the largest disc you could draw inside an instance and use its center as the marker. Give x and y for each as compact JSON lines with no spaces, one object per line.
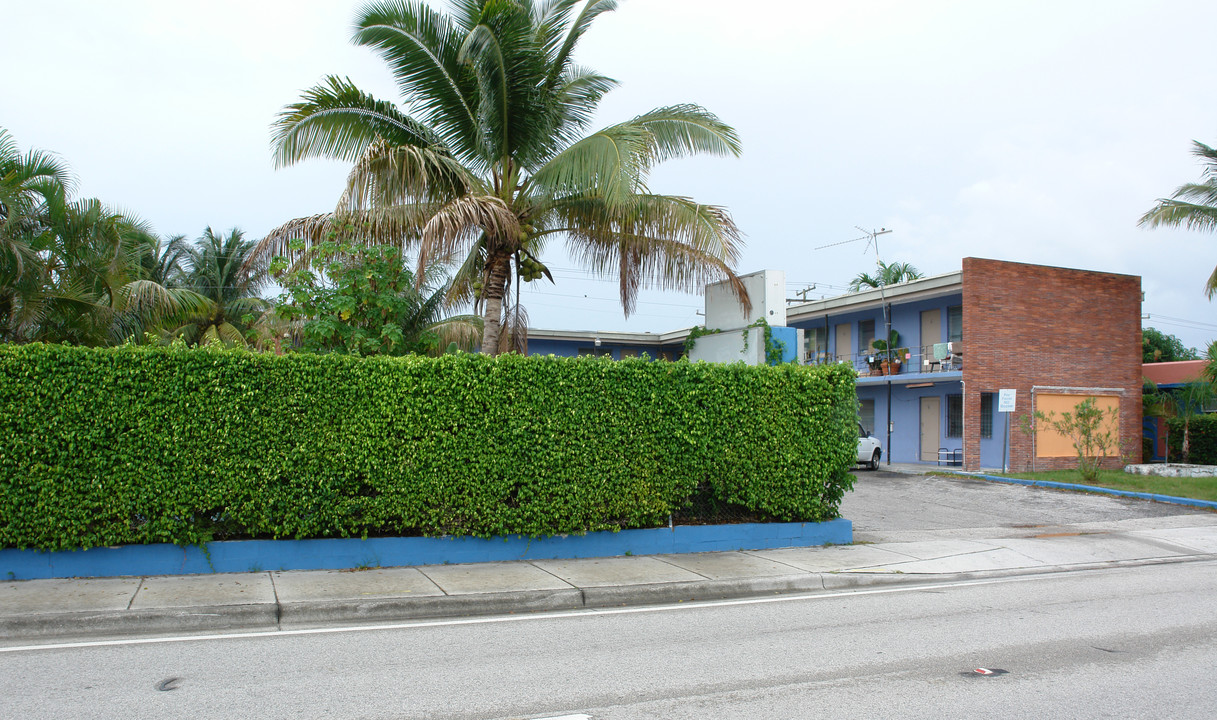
{"x":1005,"y":400}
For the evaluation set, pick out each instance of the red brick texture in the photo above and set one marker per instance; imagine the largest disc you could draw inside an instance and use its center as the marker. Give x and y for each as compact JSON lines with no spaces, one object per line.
{"x":1033,"y":326}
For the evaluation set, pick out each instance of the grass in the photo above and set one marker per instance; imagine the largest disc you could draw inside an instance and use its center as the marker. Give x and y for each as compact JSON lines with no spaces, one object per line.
{"x":1185,"y":487}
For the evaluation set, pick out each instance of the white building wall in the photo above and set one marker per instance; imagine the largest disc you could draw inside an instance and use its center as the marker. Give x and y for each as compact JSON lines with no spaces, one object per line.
{"x":766,"y":290}
{"x":728,"y":347}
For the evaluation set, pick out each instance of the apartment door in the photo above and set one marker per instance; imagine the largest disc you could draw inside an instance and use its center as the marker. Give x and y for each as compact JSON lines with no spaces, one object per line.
{"x":845,"y":347}
{"x":930,"y":417}
{"x":931,"y":328}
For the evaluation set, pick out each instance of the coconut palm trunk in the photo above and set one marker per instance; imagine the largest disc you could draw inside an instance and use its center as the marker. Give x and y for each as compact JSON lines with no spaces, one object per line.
{"x":495,"y":289}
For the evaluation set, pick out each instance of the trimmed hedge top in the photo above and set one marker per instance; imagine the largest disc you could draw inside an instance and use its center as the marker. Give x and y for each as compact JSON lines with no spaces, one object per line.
{"x":144,"y":445}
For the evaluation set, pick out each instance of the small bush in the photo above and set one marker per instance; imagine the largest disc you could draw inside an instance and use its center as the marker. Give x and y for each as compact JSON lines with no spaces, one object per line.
{"x":1202,"y":447}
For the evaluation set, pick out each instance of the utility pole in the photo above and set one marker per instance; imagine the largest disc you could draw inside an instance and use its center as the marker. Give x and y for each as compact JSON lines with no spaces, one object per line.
{"x":872,"y":239}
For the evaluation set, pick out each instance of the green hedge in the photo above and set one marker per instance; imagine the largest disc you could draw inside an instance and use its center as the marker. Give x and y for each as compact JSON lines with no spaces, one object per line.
{"x":1202,"y":445}
{"x":143,"y":445}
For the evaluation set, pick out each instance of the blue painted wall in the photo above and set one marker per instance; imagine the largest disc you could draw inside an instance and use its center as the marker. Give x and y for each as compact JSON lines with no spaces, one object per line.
{"x":906,"y":414}
{"x":789,"y":338}
{"x":344,"y":553}
{"x":905,"y":318}
{"x":570,"y":348}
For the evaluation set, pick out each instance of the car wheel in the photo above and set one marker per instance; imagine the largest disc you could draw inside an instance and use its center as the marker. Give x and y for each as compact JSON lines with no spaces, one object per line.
{"x":874,"y":460}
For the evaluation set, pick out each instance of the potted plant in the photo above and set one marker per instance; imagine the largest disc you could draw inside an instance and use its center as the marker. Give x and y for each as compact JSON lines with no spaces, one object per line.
{"x":889,"y":357}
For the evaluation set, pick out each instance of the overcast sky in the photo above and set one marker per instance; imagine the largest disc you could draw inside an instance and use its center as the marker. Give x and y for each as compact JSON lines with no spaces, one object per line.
{"x":1027,"y":131}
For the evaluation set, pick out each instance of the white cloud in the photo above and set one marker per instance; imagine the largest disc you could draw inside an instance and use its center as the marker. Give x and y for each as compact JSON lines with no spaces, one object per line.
{"x":1035,"y":131}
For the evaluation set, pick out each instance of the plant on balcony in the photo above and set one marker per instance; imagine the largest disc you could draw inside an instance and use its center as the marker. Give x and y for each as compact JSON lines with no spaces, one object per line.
{"x":889,"y":357}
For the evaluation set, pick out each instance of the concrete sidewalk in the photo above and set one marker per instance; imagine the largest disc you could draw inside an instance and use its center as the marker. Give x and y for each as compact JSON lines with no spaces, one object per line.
{"x":44,"y":610}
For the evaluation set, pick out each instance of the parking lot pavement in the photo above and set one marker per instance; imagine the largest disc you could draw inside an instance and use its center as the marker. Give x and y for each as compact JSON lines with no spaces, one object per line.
{"x":899,"y":507}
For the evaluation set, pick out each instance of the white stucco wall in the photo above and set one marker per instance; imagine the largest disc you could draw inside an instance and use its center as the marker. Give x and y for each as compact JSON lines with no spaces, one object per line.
{"x":728,"y":347}
{"x":766,"y":290}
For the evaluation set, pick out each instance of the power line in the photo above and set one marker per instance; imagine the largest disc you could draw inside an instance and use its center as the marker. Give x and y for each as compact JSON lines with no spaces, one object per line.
{"x":1180,"y":322}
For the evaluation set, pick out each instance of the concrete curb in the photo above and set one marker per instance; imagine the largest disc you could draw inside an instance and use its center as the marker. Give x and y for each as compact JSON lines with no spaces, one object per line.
{"x":108,"y":623}
{"x":347,"y":612}
{"x":1206,"y":504}
{"x":275,"y":616}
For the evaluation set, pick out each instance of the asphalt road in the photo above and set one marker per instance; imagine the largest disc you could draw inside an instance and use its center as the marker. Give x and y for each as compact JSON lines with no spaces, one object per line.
{"x":891,"y":507}
{"x":1126,"y":642}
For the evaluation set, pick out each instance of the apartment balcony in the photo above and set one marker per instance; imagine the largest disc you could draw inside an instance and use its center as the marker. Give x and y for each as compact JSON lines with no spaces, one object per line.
{"x":940,"y":361}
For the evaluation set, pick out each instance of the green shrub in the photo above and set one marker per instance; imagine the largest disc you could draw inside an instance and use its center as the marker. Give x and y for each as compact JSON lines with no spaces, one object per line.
{"x":144,"y":444}
{"x":1202,"y":447}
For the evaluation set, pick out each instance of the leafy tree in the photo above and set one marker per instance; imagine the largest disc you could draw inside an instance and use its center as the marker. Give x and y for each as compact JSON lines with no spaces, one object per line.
{"x":491,"y":159}
{"x":218,"y":268}
{"x":1189,"y":401}
{"x":1087,"y":427}
{"x":1193,"y":205}
{"x":1157,"y":346}
{"x":1210,"y":363}
{"x":886,"y":275}
{"x":361,"y":299}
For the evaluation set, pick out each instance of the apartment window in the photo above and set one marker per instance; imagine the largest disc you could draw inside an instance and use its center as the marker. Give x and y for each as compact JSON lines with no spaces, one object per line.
{"x":955,"y":323}
{"x":986,"y":415}
{"x":629,"y":353}
{"x":866,"y":414}
{"x":954,"y":416}
{"x":597,"y":352}
{"x":866,"y":335}
{"x":815,"y":345}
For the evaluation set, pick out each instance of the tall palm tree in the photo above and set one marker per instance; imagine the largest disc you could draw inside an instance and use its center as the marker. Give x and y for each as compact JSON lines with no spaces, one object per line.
{"x":1210,"y":363}
{"x":491,"y":158}
{"x":27,"y":183}
{"x":75,"y":270}
{"x":218,"y":268}
{"x":97,"y":290}
{"x":886,"y":275}
{"x":1193,"y":206}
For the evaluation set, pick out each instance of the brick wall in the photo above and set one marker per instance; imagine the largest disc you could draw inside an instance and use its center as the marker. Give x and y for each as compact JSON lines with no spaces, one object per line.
{"x":1031,"y":325}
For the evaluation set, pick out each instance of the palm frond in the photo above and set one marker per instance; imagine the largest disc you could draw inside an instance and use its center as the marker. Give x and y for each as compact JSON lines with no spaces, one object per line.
{"x":517,"y":115}
{"x":458,"y":224}
{"x":337,"y":120}
{"x":610,"y":164}
{"x":577,"y":95}
{"x":154,"y":301}
{"x":1172,"y":213}
{"x":397,"y":225}
{"x":560,"y":60}
{"x":657,"y":241}
{"x":683,"y":130}
{"x":513,"y":329}
{"x":421,"y":47}
{"x":391,"y":174}
{"x":464,"y":330}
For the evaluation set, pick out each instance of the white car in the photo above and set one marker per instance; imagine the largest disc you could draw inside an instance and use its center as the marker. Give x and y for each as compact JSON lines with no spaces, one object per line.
{"x":869,"y":450}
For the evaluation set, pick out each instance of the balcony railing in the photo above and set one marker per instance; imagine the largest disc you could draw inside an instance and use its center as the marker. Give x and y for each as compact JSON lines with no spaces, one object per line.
{"x":940,"y":357}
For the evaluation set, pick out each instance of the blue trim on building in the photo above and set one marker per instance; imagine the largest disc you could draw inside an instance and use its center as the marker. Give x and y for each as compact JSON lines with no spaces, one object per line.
{"x":345,"y":553}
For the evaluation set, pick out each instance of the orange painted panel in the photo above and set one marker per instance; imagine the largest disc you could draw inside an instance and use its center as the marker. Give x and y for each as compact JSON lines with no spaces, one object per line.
{"x":1049,"y":443}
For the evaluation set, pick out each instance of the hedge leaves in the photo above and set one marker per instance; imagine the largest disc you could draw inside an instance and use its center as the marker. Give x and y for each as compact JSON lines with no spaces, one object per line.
{"x":144,"y":445}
